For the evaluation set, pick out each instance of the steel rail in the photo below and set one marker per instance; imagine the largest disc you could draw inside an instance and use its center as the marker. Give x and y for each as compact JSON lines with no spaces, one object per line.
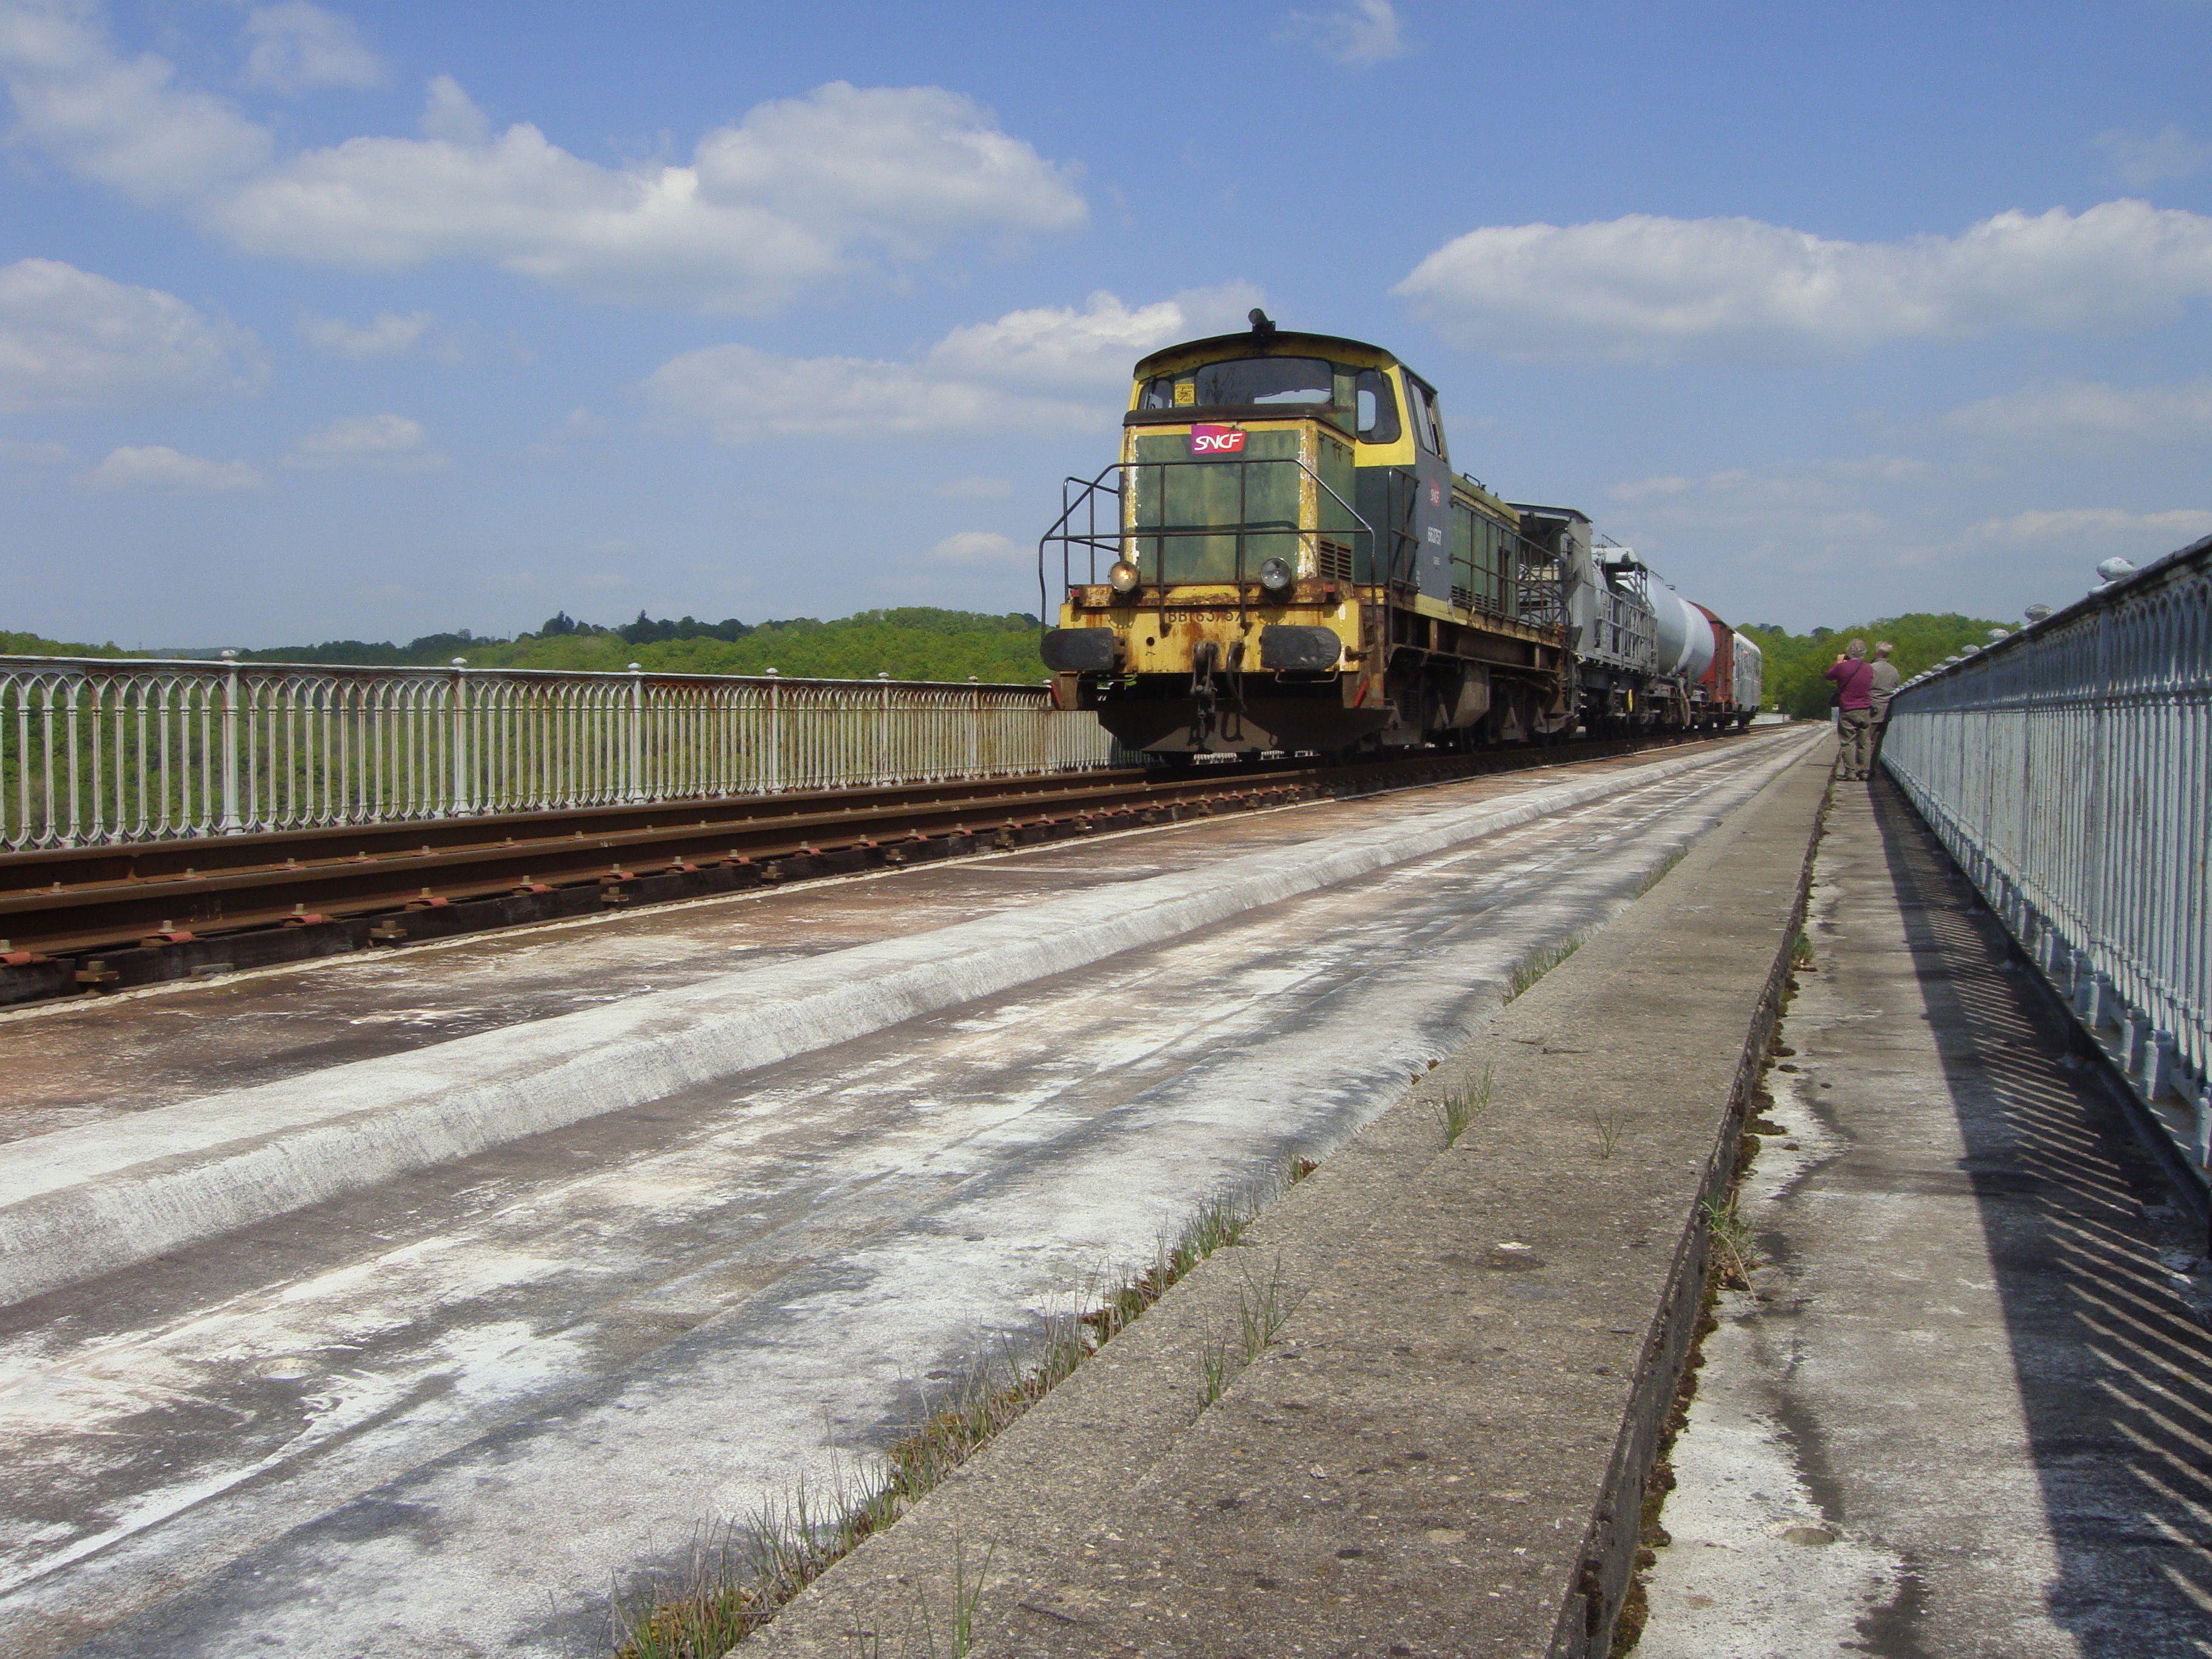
{"x":105,"y":918}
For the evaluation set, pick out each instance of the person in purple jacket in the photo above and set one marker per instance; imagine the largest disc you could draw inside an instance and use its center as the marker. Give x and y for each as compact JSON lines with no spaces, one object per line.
{"x":1854,"y":678}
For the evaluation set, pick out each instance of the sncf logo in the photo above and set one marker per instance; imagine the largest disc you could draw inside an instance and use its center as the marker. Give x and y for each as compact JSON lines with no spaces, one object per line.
{"x":1206,"y":439}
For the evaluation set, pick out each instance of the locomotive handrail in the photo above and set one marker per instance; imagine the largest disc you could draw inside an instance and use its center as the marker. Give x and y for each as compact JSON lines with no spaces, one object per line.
{"x":1125,"y":533}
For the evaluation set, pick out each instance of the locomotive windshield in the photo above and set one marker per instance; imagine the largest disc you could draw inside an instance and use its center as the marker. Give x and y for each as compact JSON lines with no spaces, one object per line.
{"x":1246,"y":381}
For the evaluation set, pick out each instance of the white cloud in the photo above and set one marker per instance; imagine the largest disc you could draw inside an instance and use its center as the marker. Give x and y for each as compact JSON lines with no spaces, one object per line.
{"x":2141,"y":163}
{"x":451,"y":115}
{"x":388,"y":336}
{"x":1654,"y":289}
{"x":800,"y":192}
{"x":2100,"y":530}
{"x":2057,"y":410}
{"x":1059,"y":348}
{"x":746,"y":394}
{"x":33,"y":454}
{"x":297,"y":45}
{"x":383,"y":443}
{"x":1356,"y":35}
{"x":1053,"y":368}
{"x":119,"y":122}
{"x":70,"y":339}
{"x":980,"y":547}
{"x":1841,"y":539}
{"x":159,"y":467}
{"x":1779,"y":511}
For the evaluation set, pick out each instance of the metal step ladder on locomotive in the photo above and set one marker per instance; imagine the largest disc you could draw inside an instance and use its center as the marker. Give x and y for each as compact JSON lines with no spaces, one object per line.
{"x":1284,"y":560}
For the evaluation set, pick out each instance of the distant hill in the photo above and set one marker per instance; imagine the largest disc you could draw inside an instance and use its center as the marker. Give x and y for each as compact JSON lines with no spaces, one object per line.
{"x":33,"y":645}
{"x":919,"y":643}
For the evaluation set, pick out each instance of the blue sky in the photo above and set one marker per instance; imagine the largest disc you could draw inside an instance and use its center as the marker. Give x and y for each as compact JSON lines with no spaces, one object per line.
{"x":320,"y":320}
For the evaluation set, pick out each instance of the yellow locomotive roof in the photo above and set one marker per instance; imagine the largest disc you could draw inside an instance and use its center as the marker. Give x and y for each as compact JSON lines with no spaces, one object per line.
{"x":1223,"y":348}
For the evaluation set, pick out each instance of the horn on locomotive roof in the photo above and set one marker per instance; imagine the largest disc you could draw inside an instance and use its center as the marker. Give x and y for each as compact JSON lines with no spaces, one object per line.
{"x":1260,"y":324}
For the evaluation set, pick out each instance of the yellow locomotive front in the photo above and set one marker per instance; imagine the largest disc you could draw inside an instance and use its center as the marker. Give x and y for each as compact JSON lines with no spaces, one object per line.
{"x":1282,"y":560}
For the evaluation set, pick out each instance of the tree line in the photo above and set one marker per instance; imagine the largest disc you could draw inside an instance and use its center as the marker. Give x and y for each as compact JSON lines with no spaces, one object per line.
{"x":922,"y":643}
{"x":1795,"y":663}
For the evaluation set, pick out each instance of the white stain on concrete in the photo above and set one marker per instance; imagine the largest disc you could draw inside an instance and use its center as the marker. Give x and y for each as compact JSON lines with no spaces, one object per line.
{"x":83,"y":1201}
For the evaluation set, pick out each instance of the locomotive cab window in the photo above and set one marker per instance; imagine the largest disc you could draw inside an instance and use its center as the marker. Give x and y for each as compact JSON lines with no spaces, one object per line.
{"x":1377,"y":410}
{"x":1428,"y":425}
{"x":1250,"y":380}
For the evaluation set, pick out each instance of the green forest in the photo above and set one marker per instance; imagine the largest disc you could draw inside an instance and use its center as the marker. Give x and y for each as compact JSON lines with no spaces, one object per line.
{"x":1796,"y":662}
{"x":923,"y":644}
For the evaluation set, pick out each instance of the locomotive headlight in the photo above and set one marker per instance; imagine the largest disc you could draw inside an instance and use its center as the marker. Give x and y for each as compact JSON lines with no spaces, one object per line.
{"x":1123,"y":576}
{"x":1275,"y":576}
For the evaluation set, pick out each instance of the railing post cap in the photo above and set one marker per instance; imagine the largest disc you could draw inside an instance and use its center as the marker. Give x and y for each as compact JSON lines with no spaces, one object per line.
{"x":637,"y":668}
{"x":882,"y":673}
{"x":230,"y":656}
{"x":773,"y":674}
{"x":460,"y":662}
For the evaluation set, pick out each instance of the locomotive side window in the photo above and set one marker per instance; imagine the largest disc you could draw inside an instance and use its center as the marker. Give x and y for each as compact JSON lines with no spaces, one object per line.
{"x":1428,"y":426}
{"x":1377,"y":409}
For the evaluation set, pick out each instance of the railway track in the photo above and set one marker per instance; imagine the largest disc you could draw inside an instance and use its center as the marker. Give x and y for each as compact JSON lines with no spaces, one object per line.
{"x":91,"y":919}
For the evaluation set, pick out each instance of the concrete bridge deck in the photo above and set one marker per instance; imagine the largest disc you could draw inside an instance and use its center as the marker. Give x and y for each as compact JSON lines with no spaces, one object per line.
{"x":442,"y":1408}
{"x":1958,"y":1410}
{"x":398,"y":1305}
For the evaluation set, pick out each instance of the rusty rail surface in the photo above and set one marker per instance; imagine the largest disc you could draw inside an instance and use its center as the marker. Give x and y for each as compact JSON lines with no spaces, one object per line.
{"x":93,"y":919}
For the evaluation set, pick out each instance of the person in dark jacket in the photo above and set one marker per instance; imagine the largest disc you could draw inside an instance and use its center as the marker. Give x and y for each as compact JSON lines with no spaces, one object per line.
{"x":1854,"y":680}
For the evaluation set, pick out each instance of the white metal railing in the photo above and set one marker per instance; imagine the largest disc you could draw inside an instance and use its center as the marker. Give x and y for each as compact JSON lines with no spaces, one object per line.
{"x":100,"y":750}
{"x":2068,"y":770}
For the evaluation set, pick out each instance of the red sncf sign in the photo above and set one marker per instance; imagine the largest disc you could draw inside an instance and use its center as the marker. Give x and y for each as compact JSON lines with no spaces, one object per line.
{"x":1207,"y":439}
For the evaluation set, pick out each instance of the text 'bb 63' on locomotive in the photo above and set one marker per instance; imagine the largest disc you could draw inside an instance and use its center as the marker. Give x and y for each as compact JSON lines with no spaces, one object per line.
{"x":1283,"y":559}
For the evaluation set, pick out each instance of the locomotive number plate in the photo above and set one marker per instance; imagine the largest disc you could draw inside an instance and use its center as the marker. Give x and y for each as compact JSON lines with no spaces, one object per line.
{"x":1225,"y":613}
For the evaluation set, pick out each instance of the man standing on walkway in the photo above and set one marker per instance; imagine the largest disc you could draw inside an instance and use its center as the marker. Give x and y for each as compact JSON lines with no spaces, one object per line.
{"x":1886,"y":680}
{"x":1854,"y":680}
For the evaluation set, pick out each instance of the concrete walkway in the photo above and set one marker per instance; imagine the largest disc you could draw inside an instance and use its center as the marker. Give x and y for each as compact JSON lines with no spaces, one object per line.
{"x":1967,"y":1408}
{"x":1460,"y":1353}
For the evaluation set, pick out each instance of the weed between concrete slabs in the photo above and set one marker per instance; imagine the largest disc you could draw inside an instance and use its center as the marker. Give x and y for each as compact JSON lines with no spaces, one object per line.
{"x":1732,"y":1259}
{"x":737,"y":1575}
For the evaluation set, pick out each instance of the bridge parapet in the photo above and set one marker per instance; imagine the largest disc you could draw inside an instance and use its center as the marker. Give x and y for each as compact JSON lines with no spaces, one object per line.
{"x":98,"y":751}
{"x":2068,"y":767}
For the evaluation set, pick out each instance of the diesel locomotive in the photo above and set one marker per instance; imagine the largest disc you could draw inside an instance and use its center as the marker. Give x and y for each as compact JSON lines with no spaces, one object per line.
{"x":1283,"y":559}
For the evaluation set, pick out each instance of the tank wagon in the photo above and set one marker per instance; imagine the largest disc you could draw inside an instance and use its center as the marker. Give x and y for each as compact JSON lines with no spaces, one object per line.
{"x":1284,"y":559}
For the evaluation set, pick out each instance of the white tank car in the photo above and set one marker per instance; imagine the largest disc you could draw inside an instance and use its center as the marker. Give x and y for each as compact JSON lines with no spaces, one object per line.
{"x":1686,"y":637}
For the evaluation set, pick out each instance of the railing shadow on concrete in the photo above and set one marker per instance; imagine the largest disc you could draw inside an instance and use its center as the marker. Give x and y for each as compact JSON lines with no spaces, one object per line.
{"x":2067,"y":768}
{"x":2113,"y":1362}
{"x":97,"y":751}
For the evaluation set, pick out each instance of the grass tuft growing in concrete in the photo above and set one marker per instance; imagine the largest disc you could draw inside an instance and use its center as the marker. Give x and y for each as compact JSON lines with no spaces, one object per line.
{"x":1659,"y":874}
{"x":1537,"y":964}
{"x":1734,"y":1252}
{"x":1263,"y":1310}
{"x":735,"y":1579}
{"x":1460,"y":1107}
